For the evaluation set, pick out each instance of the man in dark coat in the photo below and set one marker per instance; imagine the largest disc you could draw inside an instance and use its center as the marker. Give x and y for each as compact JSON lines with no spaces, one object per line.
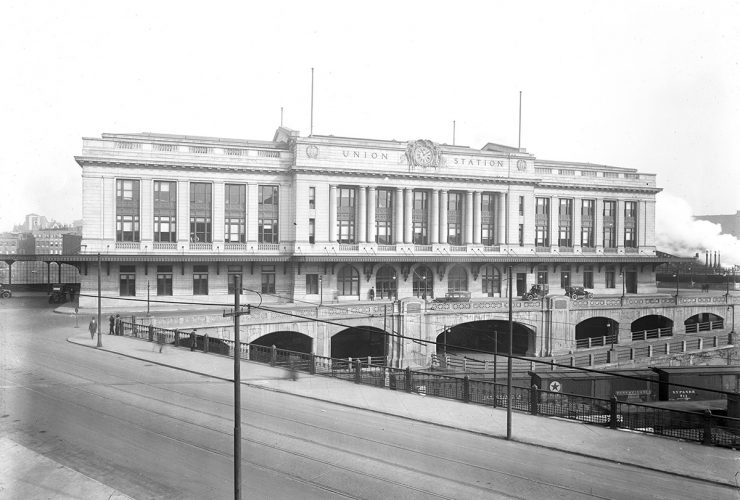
{"x":112,"y":322}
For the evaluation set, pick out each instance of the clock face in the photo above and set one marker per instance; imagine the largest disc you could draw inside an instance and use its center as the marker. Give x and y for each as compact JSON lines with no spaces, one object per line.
{"x":423,"y":155}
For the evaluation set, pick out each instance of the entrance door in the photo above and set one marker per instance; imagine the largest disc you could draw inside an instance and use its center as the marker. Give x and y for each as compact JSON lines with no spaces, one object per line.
{"x":630,"y":282}
{"x":521,"y":284}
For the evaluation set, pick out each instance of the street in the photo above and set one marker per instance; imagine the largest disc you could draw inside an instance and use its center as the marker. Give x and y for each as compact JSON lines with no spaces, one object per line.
{"x":150,"y":431}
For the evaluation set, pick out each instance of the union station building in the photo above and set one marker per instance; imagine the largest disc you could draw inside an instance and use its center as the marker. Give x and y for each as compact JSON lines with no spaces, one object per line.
{"x":326,"y":220}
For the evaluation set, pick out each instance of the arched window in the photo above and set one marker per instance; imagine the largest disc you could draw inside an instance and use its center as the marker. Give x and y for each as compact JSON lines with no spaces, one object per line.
{"x":423,"y":283}
{"x":348,"y":281}
{"x":386,"y":282}
{"x":491,"y":281}
{"x":457,"y":280}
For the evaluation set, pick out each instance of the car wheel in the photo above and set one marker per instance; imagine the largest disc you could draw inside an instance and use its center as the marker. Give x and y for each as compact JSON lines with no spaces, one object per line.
{"x":6,"y":295}
{"x":574,"y":296}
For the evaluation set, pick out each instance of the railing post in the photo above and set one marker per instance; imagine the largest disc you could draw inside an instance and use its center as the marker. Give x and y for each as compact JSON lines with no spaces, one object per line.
{"x":408,"y":379}
{"x":358,"y":371}
{"x":683,"y":346}
{"x":177,"y":338}
{"x":715,"y":344}
{"x":707,"y":438}
{"x":534,"y":400}
{"x":312,"y":366}
{"x":632,"y":353}
{"x":613,"y":413}
{"x":369,"y":361}
{"x":590,"y":360}
{"x":466,"y":389}
{"x":667,"y":348}
{"x":572,"y":361}
{"x":273,"y":355}
{"x":701,"y":343}
{"x":650,"y":351}
{"x":205,"y":343}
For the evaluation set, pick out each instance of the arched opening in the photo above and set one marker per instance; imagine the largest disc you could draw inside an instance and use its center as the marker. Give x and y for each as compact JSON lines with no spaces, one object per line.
{"x":491,"y":281}
{"x":423,"y":283}
{"x":704,"y":322}
{"x":457,"y":280}
{"x":359,"y":342}
{"x":348,"y":281}
{"x":480,"y":339}
{"x":652,"y":326}
{"x":386,"y":282}
{"x":595,"y":332}
{"x":287,"y":340}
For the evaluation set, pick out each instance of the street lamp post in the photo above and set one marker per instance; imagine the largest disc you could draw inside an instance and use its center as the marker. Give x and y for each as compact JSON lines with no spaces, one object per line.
{"x":147,"y":298}
{"x":321,"y":288}
{"x":100,"y":326}
{"x":621,"y":275}
{"x":676,"y":276}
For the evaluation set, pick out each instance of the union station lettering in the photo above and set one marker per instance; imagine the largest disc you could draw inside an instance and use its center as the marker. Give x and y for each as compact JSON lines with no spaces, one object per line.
{"x":477,"y":162}
{"x":364,"y":155}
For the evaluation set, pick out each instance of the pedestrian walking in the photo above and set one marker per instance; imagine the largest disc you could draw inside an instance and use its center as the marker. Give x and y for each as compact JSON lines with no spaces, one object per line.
{"x":118,"y":325}
{"x":151,"y":334}
{"x":372,"y":293}
{"x":93,"y":327}
{"x":112,"y":321}
{"x":160,"y":339}
{"x":193,"y":343}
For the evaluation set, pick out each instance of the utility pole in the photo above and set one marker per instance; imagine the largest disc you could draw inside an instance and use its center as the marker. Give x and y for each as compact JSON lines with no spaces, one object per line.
{"x":147,"y":298}
{"x":237,"y":388}
{"x":509,"y":367}
{"x":100,"y":326}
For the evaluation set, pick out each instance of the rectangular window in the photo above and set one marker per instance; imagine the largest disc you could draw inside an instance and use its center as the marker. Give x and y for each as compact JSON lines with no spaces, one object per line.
{"x":165,"y":211}
{"x":521,"y":235}
{"x":542,"y":237}
{"x":587,"y":208}
{"x":454,"y":218}
{"x":200,"y":212}
{"x":311,"y":197}
{"x":610,"y":208}
{"x":346,"y":207}
{"x":127,"y":210}
{"x":346,"y":231}
{"x":200,"y":280}
{"x":566,"y":206}
{"x":488,"y":219}
{"x":312,"y":284}
{"x":630,"y":209}
{"x":231,"y":272}
{"x":609,"y":278}
{"x":629,"y":237}
{"x":609,"y":237}
{"x":587,"y":237}
{"x":268,"y":213}
{"x":127,"y":228}
{"x":588,"y":277}
{"x":543,"y":206}
{"x":268,"y":279}
{"x":542,"y":275}
{"x":384,"y":217}
{"x":419,"y":217}
{"x":312,"y":231}
{"x":235,"y":208}
{"x":164,"y":280}
{"x":565,"y":237}
{"x":127,"y":281}
{"x":521,"y":205}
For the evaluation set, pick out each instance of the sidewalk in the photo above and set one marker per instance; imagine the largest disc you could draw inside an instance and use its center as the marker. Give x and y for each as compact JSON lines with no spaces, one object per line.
{"x":688,"y":459}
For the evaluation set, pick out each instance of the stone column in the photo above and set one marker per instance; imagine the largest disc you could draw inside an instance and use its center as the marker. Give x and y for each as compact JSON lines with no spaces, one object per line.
{"x":443,"y":216}
{"x":183,"y":214}
{"x":554,"y":221}
{"x":620,"y":225}
{"x":468,"y":217}
{"x":476,"y":217}
{"x":218,"y":213}
{"x":599,"y":236}
{"x":146,"y":212}
{"x":398,"y":216}
{"x":408,"y":216}
{"x":501,"y":217}
{"x":252,"y":212}
{"x":434,"y":223}
{"x":577,"y":221}
{"x":371,"y":202}
{"x":332,"y":214}
{"x":362,"y":209}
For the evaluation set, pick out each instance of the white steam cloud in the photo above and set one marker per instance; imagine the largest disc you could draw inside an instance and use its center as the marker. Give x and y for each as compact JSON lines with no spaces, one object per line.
{"x":677,"y":233}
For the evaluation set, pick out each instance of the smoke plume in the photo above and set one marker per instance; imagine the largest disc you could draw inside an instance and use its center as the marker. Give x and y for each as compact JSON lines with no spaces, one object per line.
{"x":678,"y":233}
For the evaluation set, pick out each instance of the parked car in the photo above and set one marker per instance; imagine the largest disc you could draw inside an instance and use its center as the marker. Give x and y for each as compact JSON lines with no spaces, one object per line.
{"x":577,"y":292}
{"x":536,"y":292}
{"x":4,"y":292}
{"x":459,"y":296}
{"x":58,"y":295}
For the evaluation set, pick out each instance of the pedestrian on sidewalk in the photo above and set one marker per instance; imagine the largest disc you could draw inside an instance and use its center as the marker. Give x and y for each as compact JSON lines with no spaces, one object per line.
{"x":160,"y":339}
{"x":93,"y":327}
{"x":112,"y":321}
{"x":372,"y":293}
{"x":118,"y":324}
{"x":193,"y":343}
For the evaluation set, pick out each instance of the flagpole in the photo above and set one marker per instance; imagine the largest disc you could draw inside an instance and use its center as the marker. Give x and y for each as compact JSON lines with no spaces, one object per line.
{"x":311,"y":132}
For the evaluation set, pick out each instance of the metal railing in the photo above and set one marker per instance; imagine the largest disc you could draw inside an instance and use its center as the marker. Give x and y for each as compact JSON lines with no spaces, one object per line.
{"x":597,"y":341}
{"x":704,"y":427}
{"x":655,"y":333}
{"x":704,"y":327}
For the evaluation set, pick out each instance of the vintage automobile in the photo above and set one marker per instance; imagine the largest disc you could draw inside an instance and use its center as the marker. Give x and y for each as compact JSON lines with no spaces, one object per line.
{"x":4,"y":292}
{"x":577,"y":292}
{"x":536,"y":292}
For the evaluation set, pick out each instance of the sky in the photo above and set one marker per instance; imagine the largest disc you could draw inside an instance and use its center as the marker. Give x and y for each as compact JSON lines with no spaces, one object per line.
{"x":651,"y":85}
